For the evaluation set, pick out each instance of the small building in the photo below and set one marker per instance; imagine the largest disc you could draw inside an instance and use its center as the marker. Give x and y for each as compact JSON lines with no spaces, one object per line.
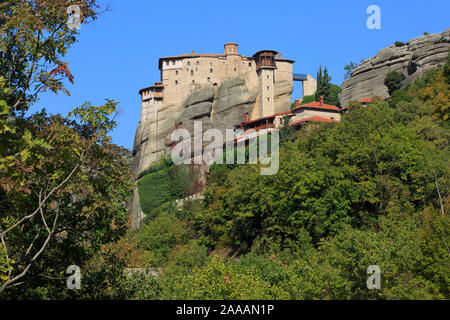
{"x":299,"y":116}
{"x":315,"y":111}
{"x":301,"y":122}
{"x":365,"y":101}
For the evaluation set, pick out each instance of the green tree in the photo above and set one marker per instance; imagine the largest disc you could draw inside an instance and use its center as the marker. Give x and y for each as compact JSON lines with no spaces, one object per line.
{"x":349,"y":69}
{"x":64,"y":185}
{"x":393,"y":81}
{"x":323,"y":84}
{"x":61,"y":201}
{"x":34,"y":37}
{"x":447,"y":69}
{"x":326,"y":89}
{"x":309,"y":99}
{"x":288,"y":132}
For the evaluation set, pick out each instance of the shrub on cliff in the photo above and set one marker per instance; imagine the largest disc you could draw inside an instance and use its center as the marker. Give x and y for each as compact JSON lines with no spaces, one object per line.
{"x":393,"y":81}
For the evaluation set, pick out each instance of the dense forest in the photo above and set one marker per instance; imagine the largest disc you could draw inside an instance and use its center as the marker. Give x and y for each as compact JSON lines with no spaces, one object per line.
{"x":372,"y":189}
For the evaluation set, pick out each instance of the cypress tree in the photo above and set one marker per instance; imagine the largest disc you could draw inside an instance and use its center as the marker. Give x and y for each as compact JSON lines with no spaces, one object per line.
{"x":319,"y":83}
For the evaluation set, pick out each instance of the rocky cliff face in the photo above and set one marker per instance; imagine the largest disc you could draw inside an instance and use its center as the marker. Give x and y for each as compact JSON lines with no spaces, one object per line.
{"x":219,"y":107}
{"x":412,"y":60}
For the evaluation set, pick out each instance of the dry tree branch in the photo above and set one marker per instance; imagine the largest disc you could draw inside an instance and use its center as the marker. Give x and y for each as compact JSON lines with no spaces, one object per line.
{"x":42,"y":201}
{"x":30,"y":263}
{"x":45,"y":198}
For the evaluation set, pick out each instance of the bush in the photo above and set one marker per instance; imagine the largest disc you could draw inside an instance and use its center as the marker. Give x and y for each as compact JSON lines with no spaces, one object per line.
{"x":159,"y":236}
{"x":163,"y":183}
{"x":154,"y":190}
{"x":393,"y":81}
{"x":447,"y":69}
{"x":181,"y":180}
{"x":308,"y":99}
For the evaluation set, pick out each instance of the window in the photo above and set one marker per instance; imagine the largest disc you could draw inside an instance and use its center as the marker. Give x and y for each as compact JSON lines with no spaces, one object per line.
{"x":173,"y":62}
{"x":193,"y":81}
{"x":167,"y":63}
{"x":176,"y":82}
{"x":176,"y":72}
{"x":189,"y":63}
{"x":235,"y":69}
{"x":198,"y":62}
{"x":192,"y":72}
{"x":196,"y":69}
{"x":268,"y":88}
{"x":210,"y":70}
{"x":268,"y":99}
{"x":209,"y":79}
{"x":249,"y":64}
{"x":268,"y":77}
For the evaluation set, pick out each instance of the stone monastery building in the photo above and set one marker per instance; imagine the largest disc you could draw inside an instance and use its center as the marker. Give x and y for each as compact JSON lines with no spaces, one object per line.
{"x":182,"y":74}
{"x":223,"y":91}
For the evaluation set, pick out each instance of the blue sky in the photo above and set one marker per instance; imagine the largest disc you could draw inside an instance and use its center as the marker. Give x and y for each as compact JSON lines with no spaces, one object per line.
{"x":118,"y":54}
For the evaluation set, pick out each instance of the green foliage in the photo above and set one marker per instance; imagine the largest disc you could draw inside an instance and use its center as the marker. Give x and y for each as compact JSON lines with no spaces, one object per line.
{"x":34,"y":37}
{"x":288,"y":132}
{"x":326,"y":89}
{"x":97,"y":118}
{"x":220,"y":279}
{"x":323,"y":84}
{"x":309,"y":99}
{"x":433,"y":88}
{"x":349,"y":69}
{"x":63,"y":185}
{"x":348,"y":195}
{"x":399,"y":44}
{"x":154,"y":190}
{"x":163,"y":164}
{"x":160,"y":235}
{"x":181,"y":179}
{"x":162,"y":183}
{"x":333,"y":97}
{"x":447,"y":69}
{"x":393,"y":81}
{"x":78,"y":183}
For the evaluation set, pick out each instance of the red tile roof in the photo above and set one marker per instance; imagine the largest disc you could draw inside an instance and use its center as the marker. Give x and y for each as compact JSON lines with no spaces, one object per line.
{"x":365,"y":100}
{"x":313,"y":118}
{"x":263,"y":118}
{"x":316,"y":104}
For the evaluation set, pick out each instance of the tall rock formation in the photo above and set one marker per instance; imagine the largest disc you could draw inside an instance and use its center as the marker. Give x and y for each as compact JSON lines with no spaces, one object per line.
{"x":219,"y":107}
{"x":218,"y":90}
{"x":412,"y":60}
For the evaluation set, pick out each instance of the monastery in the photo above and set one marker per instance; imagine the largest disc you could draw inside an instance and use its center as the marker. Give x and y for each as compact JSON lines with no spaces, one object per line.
{"x":226,"y":90}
